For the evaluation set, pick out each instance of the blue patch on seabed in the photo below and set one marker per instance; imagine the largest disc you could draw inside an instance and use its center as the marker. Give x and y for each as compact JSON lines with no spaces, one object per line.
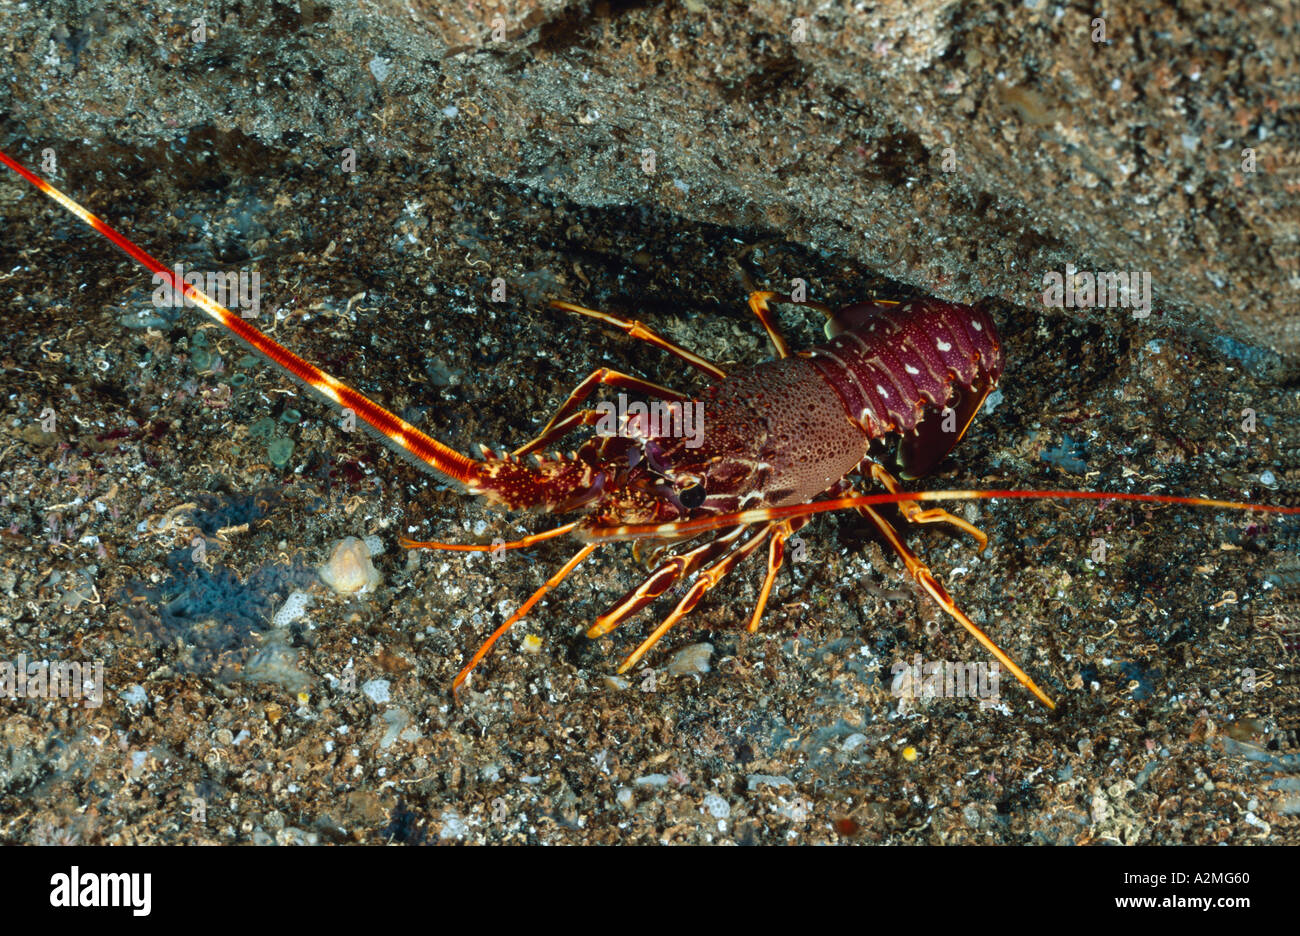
{"x":1069,"y":456}
{"x":213,"y":616}
{"x":1259,"y":361}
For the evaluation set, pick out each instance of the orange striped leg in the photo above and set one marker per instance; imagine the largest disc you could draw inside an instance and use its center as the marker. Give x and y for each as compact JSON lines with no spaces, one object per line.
{"x":602,"y":375}
{"x":662,"y":579}
{"x":913,"y":513}
{"x":775,"y":556}
{"x":758,"y":305}
{"x":551,"y":582}
{"x":931,"y":586}
{"x":558,"y":430}
{"x":637,"y":330}
{"x":705,"y":581}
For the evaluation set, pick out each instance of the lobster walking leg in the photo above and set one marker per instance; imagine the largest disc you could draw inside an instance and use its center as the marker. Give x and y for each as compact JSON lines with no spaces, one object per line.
{"x":758,"y":299}
{"x":550,"y":583}
{"x":775,"y":556}
{"x":602,"y":375}
{"x":923,"y":577}
{"x":637,"y":330}
{"x":913,"y":513}
{"x":758,"y":305}
{"x":662,"y":579}
{"x":587,"y":417}
{"x":703,"y":582}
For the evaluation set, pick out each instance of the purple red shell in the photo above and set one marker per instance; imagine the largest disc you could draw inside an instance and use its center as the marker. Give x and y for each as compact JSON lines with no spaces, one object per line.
{"x":889,"y":363}
{"x":787,"y":430}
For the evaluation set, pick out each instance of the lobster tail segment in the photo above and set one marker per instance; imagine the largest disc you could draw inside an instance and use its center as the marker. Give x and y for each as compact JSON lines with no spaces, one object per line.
{"x":392,"y":430}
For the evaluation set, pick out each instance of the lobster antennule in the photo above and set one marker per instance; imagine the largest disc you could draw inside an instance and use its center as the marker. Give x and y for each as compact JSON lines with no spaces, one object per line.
{"x":397,"y":433}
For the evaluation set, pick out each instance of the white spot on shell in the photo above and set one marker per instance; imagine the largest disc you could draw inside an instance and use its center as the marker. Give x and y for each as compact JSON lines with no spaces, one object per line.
{"x":910,"y":369}
{"x":882,"y":391}
{"x":976,"y":325}
{"x":943,"y":345}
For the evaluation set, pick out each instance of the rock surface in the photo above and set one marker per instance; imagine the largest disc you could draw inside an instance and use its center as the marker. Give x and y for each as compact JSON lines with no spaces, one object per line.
{"x":965,"y":152}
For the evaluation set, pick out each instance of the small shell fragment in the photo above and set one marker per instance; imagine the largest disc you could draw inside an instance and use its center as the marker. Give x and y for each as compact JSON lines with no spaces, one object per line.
{"x":349,"y":569}
{"x":689,"y":660}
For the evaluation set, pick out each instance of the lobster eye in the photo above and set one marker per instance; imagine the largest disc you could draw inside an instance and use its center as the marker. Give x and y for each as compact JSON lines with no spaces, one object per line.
{"x":692,"y":496}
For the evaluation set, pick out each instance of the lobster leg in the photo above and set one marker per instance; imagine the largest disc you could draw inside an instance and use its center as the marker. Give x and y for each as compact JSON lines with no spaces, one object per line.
{"x":775,"y":556}
{"x":558,"y":430}
{"x":705,"y":581}
{"x":751,"y":287}
{"x":602,"y":375}
{"x":913,"y":513}
{"x":923,"y":577}
{"x":551,"y":582}
{"x":637,"y":330}
{"x":662,"y":579}
{"x":758,"y":305}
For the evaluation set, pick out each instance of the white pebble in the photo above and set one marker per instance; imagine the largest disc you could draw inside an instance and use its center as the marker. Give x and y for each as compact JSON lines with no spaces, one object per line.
{"x":134,"y":695}
{"x":349,"y":569}
{"x":853,"y":742}
{"x":692,"y":659}
{"x":294,"y":607}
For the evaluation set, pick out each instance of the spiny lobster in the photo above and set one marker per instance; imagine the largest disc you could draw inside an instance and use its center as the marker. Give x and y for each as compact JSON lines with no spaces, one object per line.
{"x":777,"y":436}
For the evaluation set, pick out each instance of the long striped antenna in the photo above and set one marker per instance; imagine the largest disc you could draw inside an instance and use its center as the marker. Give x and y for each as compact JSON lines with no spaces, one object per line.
{"x":770,"y":514}
{"x":389,"y":428}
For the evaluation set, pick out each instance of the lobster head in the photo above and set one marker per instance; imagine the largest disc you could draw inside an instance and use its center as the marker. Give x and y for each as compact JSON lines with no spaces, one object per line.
{"x":647,"y":465}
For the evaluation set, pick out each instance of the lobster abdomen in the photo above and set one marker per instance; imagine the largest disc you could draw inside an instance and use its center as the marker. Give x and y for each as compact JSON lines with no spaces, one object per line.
{"x":897,"y":367}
